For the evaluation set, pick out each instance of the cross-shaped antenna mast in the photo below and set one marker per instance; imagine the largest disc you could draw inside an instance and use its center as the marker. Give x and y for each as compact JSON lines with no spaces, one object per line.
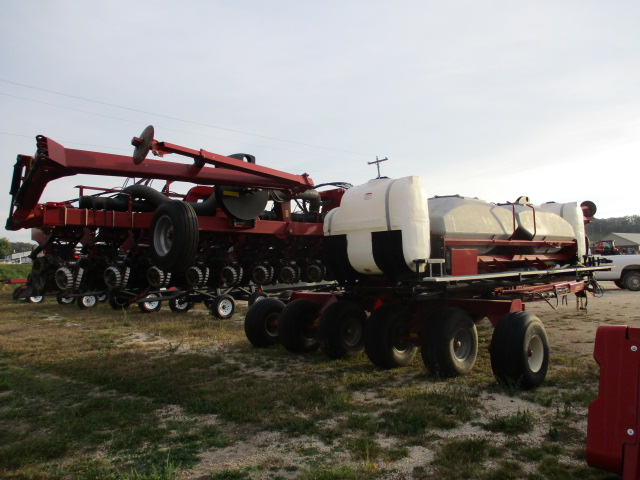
{"x":378,"y":162}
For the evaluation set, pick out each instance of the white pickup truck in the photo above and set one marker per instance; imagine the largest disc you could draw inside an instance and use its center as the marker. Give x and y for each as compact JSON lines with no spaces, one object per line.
{"x":626,"y":271}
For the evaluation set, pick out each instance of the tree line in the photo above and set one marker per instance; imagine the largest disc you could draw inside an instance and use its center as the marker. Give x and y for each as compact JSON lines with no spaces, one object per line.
{"x":7,"y":247}
{"x":601,"y":227}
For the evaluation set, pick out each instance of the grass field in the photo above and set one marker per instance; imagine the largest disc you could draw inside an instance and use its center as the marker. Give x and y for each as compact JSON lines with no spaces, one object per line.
{"x":14,"y":270}
{"x":103,"y":394}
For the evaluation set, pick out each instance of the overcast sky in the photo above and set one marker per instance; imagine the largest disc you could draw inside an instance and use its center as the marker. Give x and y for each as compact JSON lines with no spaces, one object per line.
{"x":489,"y":99}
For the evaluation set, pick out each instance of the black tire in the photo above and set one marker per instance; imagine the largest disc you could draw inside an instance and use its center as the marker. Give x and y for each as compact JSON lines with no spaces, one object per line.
{"x":153,"y":304}
{"x":223,"y":307}
{"x":18,"y":292}
{"x":382,"y":342}
{"x":64,"y":300}
{"x":38,"y":278}
{"x":289,"y":275}
{"x":174,"y":236}
{"x":341,"y":329}
{"x":180,"y":305}
{"x":631,"y":281}
{"x":87,"y":301}
{"x":296,"y":329}
{"x":63,"y":278}
{"x":118,"y":302}
{"x":619,"y":284}
{"x":449,"y":342}
{"x":261,"y":322}
{"x":520,"y":351}
{"x":256,"y":297}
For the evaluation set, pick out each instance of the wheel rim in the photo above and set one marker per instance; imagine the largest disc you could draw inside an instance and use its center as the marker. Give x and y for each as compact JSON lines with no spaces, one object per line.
{"x":351,"y":332}
{"x":398,"y":344}
{"x":535,"y":353}
{"x":89,"y":300}
{"x":36,"y":299}
{"x":634,"y":282}
{"x":181,"y":304}
{"x":462,"y":344}
{"x":152,"y":304}
{"x":308,"y":328}
{"x":66,"y":300}
{"x":271,"y":324}
{"x":225,"y":307}
{"x":163,"y":236}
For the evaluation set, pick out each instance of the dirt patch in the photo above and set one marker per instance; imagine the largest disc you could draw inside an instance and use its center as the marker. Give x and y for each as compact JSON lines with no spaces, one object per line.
{"x":571,"y":331}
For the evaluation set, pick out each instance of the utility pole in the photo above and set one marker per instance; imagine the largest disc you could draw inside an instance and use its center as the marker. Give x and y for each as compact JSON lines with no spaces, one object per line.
{"x":378,"y":162}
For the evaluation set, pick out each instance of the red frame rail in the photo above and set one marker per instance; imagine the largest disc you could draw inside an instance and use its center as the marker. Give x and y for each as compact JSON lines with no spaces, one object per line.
{"x":53,"y":161}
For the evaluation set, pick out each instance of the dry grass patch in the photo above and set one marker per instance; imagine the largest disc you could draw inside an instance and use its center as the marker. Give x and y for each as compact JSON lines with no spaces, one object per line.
{"x":105,"y":394}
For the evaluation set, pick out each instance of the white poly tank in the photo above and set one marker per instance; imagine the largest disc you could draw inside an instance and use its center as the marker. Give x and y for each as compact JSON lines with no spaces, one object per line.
{"x":397,"y":206}
{"x":535,"y":223}
{"x":463,"y":217}
{"x":572,"y":213}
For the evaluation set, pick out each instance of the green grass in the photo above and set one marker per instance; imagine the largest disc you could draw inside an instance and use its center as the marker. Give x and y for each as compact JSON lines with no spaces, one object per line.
{"x":101,"y":394}
{"x":417,"y":411}
{"x":514,"y":424}
{"x":46,"y":417}
{"x":14,"y":270}
{"x":462,"y":458}
{"x":342,"y":472}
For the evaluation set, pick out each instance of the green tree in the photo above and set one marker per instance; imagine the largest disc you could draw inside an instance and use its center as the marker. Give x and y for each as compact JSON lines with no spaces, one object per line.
{"x":22,"y":246}
{"x":5,"y":246}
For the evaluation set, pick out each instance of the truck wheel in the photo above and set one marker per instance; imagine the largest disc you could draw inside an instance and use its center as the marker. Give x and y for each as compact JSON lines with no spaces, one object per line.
{"x":296,"y":329}
{"x":153,"y":304}
{"x":174,"y":236}
{"x":87,"y":301}
{"x":36,"y":299}
{"x":619,"y":284}
{"x":631,"y":281}
{"x":223,"y":307}
{"x":449,"y":343}
{"x":261,"y":322}
{"x":341,"y":329}
{"x":383,"y":338}
{"x":62,"y":300}
{"x":180,"y":305}
{"x":520,"y":351}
